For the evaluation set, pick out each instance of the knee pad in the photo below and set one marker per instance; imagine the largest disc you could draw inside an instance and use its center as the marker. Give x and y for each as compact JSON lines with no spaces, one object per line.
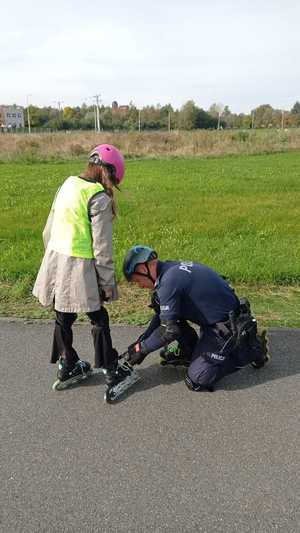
{"x":194,"y":387}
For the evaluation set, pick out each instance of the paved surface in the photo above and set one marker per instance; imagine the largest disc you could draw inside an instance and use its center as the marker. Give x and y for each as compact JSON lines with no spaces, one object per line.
{"x":163,"y":460}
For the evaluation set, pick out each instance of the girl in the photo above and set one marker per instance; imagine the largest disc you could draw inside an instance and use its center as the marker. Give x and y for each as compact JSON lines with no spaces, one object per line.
{"x":77,"y":271}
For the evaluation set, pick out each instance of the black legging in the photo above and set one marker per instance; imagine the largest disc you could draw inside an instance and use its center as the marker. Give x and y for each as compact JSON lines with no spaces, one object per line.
{"x":105,"y":355}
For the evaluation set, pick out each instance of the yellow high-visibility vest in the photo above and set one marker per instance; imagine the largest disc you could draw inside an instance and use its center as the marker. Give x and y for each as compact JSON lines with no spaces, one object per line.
{"x":71,"y":228}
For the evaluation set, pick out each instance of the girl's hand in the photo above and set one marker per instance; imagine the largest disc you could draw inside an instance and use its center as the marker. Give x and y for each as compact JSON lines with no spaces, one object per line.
{"x":107,"y":294}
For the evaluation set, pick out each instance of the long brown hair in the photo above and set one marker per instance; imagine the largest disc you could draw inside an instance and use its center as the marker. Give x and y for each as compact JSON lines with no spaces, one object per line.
{"x":103,"y":176}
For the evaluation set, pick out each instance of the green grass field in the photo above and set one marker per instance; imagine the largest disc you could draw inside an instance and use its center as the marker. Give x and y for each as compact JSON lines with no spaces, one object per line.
{"x":238,"y":214}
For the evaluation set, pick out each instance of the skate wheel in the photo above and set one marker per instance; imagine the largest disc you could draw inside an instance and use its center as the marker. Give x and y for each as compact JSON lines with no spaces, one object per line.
{"x":108,"y":398}
{"x":57,"y":385}
{"x":97,"y":371}
{"x":61,"y":385}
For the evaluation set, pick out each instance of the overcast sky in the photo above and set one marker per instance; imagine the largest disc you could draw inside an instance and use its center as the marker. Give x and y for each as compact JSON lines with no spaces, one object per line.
{"x":237,"y":52}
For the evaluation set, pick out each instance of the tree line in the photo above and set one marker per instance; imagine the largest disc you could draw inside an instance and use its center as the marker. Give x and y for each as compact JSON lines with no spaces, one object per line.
{"x":158,"y":117}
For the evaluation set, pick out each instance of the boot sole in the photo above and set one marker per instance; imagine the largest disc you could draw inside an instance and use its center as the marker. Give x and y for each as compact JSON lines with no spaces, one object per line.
{"x":116,"y":392}
{"x":265,"y":347}
{"x":59,"y":385}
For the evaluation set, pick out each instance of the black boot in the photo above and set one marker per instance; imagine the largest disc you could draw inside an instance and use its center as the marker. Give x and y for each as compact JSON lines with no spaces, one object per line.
{"x":261,"y":351}
{"x":67,"y":375}
{"x":119,"y":381}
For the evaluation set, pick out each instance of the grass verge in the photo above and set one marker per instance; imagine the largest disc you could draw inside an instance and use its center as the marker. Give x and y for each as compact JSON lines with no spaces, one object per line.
{"x":273,"y":305}
{"x":239,"y":215}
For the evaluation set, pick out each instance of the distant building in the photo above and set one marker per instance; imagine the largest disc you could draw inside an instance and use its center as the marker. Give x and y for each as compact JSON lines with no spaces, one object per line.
{"x":11,"y":117}
{"x":123,"y":108}
{"x":119,"y":108}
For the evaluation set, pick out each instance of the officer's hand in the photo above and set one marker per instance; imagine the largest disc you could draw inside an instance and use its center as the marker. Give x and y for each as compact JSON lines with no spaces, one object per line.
{"x":135,"y":355}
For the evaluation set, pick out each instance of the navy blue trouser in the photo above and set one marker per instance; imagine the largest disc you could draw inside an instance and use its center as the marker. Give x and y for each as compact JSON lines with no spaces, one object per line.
{"x":209,"y":364}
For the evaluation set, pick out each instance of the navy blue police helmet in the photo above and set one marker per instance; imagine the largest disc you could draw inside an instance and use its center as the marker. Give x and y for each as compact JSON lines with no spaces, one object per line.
{"x":135,"y":256}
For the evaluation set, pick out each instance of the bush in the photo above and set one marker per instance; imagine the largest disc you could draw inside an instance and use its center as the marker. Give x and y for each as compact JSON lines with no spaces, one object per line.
{"x":77,"y":149}
{"x":28,"y":150}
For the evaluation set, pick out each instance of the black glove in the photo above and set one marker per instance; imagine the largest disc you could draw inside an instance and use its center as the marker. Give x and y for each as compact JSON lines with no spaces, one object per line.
{"x":135,"y":354}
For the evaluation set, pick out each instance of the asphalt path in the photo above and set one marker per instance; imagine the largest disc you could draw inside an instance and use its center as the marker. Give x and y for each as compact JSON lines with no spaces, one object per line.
{"x":162,"y":460}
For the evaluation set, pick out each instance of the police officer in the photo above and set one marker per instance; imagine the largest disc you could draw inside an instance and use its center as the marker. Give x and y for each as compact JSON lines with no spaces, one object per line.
{"x":188,"y":291}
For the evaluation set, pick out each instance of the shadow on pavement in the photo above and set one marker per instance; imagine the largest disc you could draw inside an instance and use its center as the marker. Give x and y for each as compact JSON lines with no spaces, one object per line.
{"x":154,"y":376}
{"x":151,"y":377}
{"x":285,"y":361}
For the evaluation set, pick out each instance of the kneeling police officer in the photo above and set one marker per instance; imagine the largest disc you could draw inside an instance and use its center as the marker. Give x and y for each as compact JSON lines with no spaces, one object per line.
{"x":192,"y":292}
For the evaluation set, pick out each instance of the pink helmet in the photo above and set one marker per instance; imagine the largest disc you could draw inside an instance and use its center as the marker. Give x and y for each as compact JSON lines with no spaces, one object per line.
{"x":108,"y":155}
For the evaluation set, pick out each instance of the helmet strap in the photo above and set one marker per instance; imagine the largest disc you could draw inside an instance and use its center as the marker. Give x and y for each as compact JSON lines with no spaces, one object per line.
{"x":148,"y":275}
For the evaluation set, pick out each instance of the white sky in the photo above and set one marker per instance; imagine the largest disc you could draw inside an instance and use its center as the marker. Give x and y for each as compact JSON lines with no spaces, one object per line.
{"x":237,"y":52}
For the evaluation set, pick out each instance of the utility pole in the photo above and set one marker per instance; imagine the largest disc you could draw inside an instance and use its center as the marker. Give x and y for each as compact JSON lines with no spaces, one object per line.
{"x":60,"y":108}
{"x":219,"y":110}
{"x":169,"y":121}
{"x":252,"y":120}
{"x":28,"y":113}
{"x":282,"y":119}
{"x":97,"y":119}
{"x":139,"y":121}
{"x":59,"y":105}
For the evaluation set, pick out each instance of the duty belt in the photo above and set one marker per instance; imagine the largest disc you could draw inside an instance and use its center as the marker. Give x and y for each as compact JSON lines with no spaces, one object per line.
{"x":228,"y":327}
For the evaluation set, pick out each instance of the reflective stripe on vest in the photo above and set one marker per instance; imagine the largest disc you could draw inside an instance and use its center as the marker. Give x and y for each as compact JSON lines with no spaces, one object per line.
{"x":71,"y":228}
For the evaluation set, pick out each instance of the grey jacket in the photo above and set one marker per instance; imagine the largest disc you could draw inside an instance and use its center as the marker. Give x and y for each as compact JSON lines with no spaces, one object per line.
{"x":73,"y":284}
